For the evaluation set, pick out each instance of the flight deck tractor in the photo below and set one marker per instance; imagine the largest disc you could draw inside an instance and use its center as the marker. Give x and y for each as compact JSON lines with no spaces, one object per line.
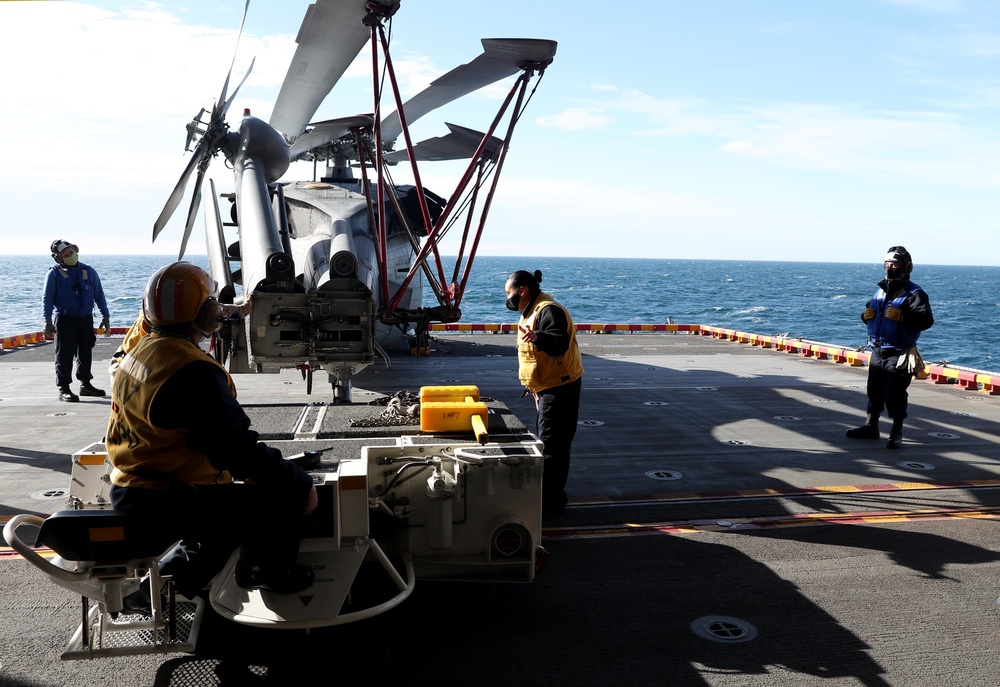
{"x":404,"y":508}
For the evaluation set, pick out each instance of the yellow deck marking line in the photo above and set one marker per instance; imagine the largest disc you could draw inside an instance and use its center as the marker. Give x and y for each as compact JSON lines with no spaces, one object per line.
{"x":775,"y":522}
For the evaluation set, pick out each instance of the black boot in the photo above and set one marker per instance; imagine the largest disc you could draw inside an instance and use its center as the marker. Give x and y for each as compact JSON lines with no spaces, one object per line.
{"x":65,"y":394}
{"x":869,"y":430}
{"x":895,"y":434}
{"x":88,"y":389}
{"x":140,"y":601}
{"x":290,"y":579}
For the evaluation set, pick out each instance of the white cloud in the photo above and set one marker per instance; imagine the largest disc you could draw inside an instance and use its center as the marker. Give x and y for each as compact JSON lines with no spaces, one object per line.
{"x":941,"y":147}
{"x":930,"y":5}
{"x":576,"y":119}
{"x":745,"y":148}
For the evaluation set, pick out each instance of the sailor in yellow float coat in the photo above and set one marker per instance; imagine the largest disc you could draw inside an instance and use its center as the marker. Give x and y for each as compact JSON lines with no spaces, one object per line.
{"x":143,"y":453}
{"x":177,"y":438}
{"x":549,"y":366}
{"x":538,"y":370}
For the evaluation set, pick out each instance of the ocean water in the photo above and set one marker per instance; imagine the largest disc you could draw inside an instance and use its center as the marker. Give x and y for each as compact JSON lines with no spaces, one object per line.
{"x":820,"y":302}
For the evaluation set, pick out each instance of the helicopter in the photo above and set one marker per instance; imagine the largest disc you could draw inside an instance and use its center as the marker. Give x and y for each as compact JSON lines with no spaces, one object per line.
{"x":335,"y":264}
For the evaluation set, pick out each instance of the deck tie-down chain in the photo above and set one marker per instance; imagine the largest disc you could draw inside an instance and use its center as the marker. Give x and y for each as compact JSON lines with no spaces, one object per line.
{"x":401,"y":408}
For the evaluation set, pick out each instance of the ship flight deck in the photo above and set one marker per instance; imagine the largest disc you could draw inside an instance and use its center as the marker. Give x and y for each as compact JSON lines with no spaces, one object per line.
{"x":721,"y":529}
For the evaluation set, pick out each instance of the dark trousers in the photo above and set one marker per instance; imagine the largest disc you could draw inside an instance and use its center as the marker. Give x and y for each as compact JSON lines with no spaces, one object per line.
{"x":211,"y":521}
{"x":558,"y":410}
{"x":887,"y":384}
{"x":75,"y":338}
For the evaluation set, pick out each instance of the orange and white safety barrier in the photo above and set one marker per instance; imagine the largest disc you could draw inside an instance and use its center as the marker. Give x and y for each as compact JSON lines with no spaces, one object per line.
{"x":18,"y":340}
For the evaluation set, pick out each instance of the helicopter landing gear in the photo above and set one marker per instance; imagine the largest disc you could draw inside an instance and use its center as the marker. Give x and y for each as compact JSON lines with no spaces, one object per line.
{"x":341,"y":389}
{"x":420,"y":344}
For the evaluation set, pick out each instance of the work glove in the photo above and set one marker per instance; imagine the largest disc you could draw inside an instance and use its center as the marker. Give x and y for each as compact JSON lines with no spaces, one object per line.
{"x":50,"y":330}
{"x":868,"y":315}
{"x":247,"y":306}
{"x":231,"y":311}
{"x":894,"y":314}
{"x":106,"y":326}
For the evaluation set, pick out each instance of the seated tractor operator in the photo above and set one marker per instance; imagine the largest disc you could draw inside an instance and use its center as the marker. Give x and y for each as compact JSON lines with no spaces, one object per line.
{"x":142,"y":326}
{"x":177,"y":438}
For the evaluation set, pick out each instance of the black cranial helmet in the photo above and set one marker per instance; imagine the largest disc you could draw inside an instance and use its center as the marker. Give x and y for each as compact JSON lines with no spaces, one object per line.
{"x":900,"y":255}
{"x":58,"y":246}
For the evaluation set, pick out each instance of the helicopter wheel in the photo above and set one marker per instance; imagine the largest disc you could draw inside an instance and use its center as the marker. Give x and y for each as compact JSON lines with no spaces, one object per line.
{"x":420,"y":344}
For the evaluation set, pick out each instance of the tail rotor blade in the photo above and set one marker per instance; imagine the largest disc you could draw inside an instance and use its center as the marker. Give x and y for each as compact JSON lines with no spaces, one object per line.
{"x":225,"y":108}
{"x":225,"y":84}
{"x":192,"y":213}
{"x":212,"y":140}
{"x":178,"y":193}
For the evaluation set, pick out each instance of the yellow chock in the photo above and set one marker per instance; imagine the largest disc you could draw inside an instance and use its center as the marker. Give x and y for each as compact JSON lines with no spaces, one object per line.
{"x":448,"y":394}
{"x":453,"y":409}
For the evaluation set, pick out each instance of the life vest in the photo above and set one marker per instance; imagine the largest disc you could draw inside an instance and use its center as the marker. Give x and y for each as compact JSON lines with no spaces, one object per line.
{"x":143,"y":454}
{"x":538,"y":370}
{"x":140,"y":328}
{"x":73,"y":291}
{"x":885,"y":332}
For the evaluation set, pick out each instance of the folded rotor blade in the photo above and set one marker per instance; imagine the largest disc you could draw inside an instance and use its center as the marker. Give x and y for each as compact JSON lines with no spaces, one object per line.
{"x":501,"y":57}
{"x":331,"y":36}
{"x":192,"y":213}
{"x":460,"y":144}
{"x":323,"y":133}
{"x":175,"y":196}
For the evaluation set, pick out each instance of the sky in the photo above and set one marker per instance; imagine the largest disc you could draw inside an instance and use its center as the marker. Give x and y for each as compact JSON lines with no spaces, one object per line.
{"x":825,"y":130}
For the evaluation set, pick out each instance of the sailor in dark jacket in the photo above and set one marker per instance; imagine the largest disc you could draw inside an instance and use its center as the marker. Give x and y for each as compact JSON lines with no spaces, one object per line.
{"x":72,"y":289}
{"x":895,"y":316}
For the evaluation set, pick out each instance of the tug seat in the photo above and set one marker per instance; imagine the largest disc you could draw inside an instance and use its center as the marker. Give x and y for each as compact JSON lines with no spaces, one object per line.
{"x":103,"y":536}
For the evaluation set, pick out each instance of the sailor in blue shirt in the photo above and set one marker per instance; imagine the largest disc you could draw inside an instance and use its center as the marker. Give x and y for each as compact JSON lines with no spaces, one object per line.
{"x":895,"y":316}
{"x":72,"y":289}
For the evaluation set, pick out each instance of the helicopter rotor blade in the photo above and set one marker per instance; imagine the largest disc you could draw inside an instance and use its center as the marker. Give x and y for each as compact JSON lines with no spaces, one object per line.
{"x":326,"y":132}
{"x":192,"y":213}
{"x":460,"y":144}
{"x":203,"y":152}
{"x":178,"y":193}
{"x":331,"y":36}
{"x":501,"y":57}
{"x":239,"y":35}
{"x":225,"y":108}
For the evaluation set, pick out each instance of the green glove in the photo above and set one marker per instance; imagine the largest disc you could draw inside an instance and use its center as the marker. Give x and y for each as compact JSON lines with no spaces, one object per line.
{"x":105,"y":327}
{"x":50,"y":330}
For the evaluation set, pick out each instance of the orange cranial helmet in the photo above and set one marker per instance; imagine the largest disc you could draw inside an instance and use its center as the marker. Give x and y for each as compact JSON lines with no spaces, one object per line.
{"x":181,"y":293}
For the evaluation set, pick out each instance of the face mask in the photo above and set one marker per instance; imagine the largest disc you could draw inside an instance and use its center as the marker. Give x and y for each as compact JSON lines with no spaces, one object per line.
{"x":72,"y":260}
{"x":513,"y":302}
{"x":892,"y":273}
